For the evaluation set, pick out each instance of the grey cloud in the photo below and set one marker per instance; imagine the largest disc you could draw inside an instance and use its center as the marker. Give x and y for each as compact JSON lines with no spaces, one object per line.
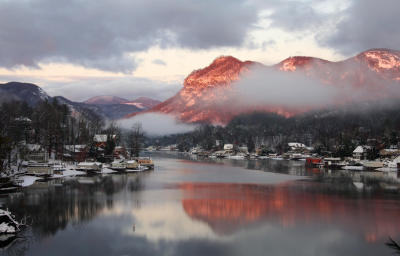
{"x":100,"y":34}
{"x":297,"y":16}
{"x":156,"y":124}
{"x":127,"y":87}
{"x":159,"y":62}
{"x":367,"y":24}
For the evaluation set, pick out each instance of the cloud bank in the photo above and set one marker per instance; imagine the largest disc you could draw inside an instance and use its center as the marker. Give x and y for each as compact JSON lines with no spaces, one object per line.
{"x":295,"y":90}
{"x":129,"y":88}
{"x":104,"y":34}
{"x":158,"y":124}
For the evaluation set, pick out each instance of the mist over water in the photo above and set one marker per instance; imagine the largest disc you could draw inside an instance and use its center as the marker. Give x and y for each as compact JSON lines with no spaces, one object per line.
{"x":157,"y":124}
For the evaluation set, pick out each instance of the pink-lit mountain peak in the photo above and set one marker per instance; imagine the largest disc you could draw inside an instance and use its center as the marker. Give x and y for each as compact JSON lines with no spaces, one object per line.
{"x":223,"y":70}
{"x":208,"y":94}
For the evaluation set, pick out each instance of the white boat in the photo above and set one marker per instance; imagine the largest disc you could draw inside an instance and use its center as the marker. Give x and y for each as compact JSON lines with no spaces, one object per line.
{"x":394,"y":163}
{"x":277,"y":158}
{"x":353,"y":167}
{"x":263,"y":157}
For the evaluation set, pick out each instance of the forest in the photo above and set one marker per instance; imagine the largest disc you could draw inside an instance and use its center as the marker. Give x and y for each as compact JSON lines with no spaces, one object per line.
{"x":53,"y":125}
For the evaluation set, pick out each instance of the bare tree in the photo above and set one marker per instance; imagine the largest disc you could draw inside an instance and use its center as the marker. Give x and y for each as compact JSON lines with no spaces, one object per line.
{"x":136,"y":138}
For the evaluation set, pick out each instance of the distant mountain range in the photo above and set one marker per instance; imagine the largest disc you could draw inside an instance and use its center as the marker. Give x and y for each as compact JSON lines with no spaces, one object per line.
{"x":109,"y":107}
{"x":208,"y":94}
{"x":142,"y":102}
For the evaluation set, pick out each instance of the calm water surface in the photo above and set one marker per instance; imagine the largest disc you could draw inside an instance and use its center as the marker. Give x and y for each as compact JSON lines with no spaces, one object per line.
{"x":189,"y":206}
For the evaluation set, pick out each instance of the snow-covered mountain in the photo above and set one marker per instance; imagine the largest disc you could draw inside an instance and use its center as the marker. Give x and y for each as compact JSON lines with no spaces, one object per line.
{"x":23,"y":91}
{"x":143,"y":103}
{"x":209,"y":96}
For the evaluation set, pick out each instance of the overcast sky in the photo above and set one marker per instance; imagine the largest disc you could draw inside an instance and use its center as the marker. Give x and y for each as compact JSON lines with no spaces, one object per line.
{"x":80,"y":49}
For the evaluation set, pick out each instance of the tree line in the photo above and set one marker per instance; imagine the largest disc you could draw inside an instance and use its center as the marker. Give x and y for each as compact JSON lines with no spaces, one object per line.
{"x":53,"y":125}
{"x":338,"y":130}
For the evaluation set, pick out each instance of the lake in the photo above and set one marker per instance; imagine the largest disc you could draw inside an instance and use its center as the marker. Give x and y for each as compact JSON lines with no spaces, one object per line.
{"x":190,"y":206}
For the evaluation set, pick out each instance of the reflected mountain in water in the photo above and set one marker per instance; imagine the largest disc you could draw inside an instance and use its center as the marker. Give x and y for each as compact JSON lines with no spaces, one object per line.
{"x":229,"y":208}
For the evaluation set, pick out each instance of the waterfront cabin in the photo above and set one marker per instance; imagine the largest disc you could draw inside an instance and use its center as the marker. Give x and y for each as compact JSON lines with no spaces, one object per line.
{"x":333,"y":163}
{"x":37,"y":153}
{"x":131,"y":164}
{"x":39,"y":169}
{"x":314,"y":162}
{"x":144,"y":161}
{"x":118,"y":165}
{"x":90,"y":166}
{"x":361,"y":153}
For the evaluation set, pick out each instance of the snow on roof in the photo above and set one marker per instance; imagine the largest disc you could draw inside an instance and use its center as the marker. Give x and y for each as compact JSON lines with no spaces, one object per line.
{"x":75,"y":148}
{"x":33,"y":147}
{"x":102,"y":137}
{"x":131,"y":162}
{"x":86,"y":164}
{"x":296,"y":145}
{"x":360,"y":149}
{"x":391,"y":150}
{"x":228,"y":146}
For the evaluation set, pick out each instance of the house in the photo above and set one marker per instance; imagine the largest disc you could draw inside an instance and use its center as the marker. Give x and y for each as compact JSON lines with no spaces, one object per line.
{"x":40,"y":169}
{"x":119,"y":165}
{"x":92,"y":166}
{"x":77,"y":153}
{"x":296,"y":151}
{"x":132,"y":164}
{"x":144,"y":161}
{"x":390,"y":152}
{"x":361,"y":153}
{"x":37,"y":153}
{"x":101,"y":140}
{"x":120,"y":152}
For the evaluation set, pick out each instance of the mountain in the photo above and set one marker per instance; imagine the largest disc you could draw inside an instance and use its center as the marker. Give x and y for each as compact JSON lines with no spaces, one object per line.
{"x":23,"y":91}
{"x":143,"y":103}
{"x":109,"y":111}
{"x":105,"y":100}
{"x":369,"y":68}
{"x":203,"y":88}
{"x":208,"y":94}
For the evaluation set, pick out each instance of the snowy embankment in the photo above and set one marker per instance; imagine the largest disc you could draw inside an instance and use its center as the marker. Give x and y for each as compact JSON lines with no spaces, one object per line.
{"x":26,"y":181}
{"x":68,"y":173}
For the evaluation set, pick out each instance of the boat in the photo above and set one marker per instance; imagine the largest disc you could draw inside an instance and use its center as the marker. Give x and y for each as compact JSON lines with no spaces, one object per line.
{"x":395,"y":163}
{"x":353,"y":167}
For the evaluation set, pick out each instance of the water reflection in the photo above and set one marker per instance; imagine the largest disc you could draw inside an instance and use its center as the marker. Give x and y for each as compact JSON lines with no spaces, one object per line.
{"x":54,"y":204}
{"x":291,"y":204}
{"x":214,"y":207}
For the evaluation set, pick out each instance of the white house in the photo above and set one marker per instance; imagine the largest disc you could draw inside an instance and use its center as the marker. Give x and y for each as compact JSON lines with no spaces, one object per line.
{"x":361,"y":152}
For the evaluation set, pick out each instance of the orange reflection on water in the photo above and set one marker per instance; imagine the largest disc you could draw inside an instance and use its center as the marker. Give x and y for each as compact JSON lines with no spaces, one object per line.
{"x":227,"y":208}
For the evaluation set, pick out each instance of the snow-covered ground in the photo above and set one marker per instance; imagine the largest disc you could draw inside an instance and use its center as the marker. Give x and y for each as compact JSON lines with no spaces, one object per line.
{"x":27,"y":180}
{"x":68,"y":173}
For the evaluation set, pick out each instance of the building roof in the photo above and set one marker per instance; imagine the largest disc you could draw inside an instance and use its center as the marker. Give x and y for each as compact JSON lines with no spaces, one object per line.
{"x":33,"y":147}
{"x":296,"y":145}
{"x":74,"y":148}
{"x":102,"y":137}
{"x":360,"y":149}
